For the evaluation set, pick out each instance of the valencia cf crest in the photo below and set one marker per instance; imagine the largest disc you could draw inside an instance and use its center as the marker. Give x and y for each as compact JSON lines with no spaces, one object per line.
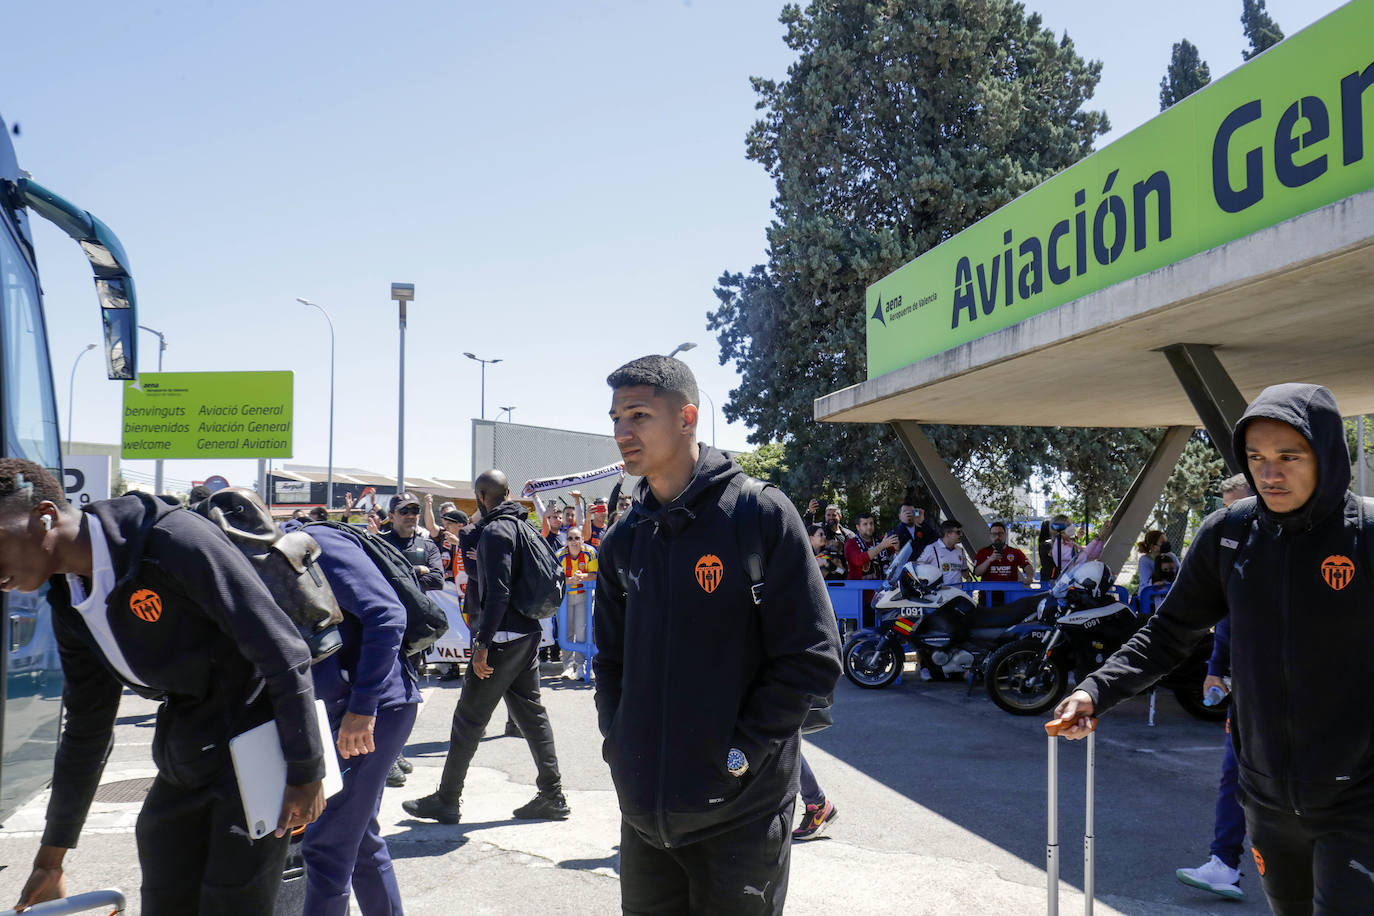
{"x":709,"y":572}
{"x":1338,"y":571}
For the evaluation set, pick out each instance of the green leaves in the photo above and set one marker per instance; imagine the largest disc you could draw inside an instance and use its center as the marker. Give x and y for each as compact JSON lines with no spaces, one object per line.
{"x":900,"y":123}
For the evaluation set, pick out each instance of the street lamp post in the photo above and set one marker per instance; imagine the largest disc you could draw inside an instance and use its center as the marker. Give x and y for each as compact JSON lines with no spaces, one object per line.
{"x":402,"y":293}
{"x":329,"y":487}
{"x":510,"y":413}
{"x":71,"y":390}
{"x":484,"y":379}
{"x":161,"y":348}
{"x":683,"y":348}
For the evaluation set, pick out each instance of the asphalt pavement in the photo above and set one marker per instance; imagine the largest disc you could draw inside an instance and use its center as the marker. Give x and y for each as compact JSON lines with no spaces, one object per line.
{"x":941,"y":800}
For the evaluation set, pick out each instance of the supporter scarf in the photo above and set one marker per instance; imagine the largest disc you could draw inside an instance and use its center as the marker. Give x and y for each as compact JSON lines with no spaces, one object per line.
{"x":571,"y":480}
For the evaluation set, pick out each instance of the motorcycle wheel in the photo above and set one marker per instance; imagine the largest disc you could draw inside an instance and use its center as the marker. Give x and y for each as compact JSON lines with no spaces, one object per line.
{"x":1191,"y":702}
{"x":872,"y":662}
{"x":1016,"y":686}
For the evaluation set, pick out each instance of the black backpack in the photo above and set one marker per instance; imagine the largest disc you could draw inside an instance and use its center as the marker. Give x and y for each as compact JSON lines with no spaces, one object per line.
{"x":425,"y":620}
{"x":287,"y":564}
{"x":537,"y":589}
{"x":749,"y":528}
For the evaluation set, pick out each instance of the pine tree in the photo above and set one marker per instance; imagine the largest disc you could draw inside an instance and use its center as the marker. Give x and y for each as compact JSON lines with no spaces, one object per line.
{"x":1261,"y":31}
{"x":898,"y":125}
{"x":1187,"y":74}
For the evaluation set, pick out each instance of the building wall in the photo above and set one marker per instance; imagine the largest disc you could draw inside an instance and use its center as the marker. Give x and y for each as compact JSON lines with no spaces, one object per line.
{"x":526,"y":452}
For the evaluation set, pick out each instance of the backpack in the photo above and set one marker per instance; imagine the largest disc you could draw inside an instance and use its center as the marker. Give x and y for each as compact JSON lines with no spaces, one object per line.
{"x":749,"y":528}
{"x":537,"y":590}
{"x":425,"y":619}
{"x":287,"y":563}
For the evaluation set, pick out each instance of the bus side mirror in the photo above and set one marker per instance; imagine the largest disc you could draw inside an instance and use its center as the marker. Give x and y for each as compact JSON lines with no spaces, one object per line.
{"x":117,"y":316}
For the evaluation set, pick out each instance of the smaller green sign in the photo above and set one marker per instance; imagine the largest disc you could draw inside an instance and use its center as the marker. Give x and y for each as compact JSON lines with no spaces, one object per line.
{"x":208,"y":415}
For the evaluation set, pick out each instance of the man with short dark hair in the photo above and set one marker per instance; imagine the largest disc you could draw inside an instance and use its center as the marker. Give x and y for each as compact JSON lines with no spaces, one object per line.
{"x":864,"y":556}
{"x":948,"y":553}
{"x":1000,"y":562}
{"x":505,"y":663}
{"x":151,"y":597}
{"x":912,"y":528}
{"x":404,"y":534}
{"x":707,"y":778}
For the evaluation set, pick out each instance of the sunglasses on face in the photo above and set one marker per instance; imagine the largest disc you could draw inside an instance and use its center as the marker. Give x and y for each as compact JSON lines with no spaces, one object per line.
{"x":410,"y":510}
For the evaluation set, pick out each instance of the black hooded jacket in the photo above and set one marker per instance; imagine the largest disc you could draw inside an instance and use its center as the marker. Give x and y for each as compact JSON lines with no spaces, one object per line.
{"x":498,"y":566}
{"x":1301,"y":600}
{"x":199,"y":631}
{"x":688,"y":666}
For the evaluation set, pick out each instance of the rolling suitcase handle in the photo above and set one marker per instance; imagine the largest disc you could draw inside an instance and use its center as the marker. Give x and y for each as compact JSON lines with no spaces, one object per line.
{"x":1052,"y":729}
{"x":111,"y":901}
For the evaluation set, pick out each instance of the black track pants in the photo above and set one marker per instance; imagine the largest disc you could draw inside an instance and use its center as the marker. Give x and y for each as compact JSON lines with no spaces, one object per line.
{"x":1321,"y":866}
{"x":740,"y":873}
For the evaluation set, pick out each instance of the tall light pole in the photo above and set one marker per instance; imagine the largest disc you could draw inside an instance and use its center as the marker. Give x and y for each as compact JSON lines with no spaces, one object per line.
{"x":402,"y":293}
{"x":71,"y":389}
{"x":161,"y":348}
{"x":484,"y":379}
{"x":510,"y":413}
{"x":329,"y":487}
{"x":683,"y":348}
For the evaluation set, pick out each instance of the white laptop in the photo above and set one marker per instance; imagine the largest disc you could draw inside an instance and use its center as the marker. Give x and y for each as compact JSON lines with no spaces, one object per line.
{"x":261,"y":771}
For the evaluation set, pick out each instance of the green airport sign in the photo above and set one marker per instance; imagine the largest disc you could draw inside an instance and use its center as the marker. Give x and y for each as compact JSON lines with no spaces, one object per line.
{"x":208,"y":415}
{"x":1287,"y":133}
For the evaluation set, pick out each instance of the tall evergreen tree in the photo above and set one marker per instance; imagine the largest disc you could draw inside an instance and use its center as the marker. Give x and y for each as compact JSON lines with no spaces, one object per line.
{"x":900,"y":123}
{"x":1261,"y":30}
{"x":1187,"y":73}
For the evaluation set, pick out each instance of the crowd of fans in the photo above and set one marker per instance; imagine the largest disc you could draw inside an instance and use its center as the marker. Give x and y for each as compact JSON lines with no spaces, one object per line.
{"x":859,"y":553}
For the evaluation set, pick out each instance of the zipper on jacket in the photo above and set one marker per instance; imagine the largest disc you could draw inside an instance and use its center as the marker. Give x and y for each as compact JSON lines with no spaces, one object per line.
{"x":1285,"y":653}
{"x":663,"y":705}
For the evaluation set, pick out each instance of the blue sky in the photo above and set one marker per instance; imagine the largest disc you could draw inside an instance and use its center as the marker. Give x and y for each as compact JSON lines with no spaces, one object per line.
{"x":563,"y":183}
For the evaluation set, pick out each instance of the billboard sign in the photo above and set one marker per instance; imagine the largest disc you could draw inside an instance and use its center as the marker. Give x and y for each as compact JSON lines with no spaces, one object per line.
{"x":208,"y":415}
{"x":86,"y":478}
{"x":1287,"y":133}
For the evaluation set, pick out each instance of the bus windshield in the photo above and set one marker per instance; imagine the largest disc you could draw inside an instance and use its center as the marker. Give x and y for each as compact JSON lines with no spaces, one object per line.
{"x":30,"y":417}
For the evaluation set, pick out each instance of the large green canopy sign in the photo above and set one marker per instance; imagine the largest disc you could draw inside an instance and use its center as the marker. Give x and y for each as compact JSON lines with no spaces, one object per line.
{"x":1286,"y":133}
{"x":208,"y":414}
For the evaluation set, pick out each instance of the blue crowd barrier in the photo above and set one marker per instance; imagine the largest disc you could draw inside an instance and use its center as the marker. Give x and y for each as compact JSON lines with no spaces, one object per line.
{"x":848,"y":601}
{"x":587,"y":647}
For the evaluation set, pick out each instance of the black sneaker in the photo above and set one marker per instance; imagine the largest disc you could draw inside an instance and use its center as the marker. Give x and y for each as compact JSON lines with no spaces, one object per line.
{"x":397,"y":777}
{"x":544,"y":808}
{"x":432,"y":808}
{"x":406,"y":766}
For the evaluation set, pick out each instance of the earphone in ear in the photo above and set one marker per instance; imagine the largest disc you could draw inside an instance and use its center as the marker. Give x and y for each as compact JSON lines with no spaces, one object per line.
{"x":47,"y":523}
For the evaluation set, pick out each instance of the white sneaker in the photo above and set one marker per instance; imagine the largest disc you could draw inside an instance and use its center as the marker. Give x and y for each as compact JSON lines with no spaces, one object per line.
{"x":1215,"y":876}
{"x":571,"y":673}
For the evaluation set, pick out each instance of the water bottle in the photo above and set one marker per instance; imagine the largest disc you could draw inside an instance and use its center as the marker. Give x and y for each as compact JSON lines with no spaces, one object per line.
{"x":1214,"y":696}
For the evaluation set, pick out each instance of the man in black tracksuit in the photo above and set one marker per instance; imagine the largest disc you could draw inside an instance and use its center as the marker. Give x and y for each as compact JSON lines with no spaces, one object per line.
{"x":505,"y":663}
{"x":1301,"y":599}
{"x":701,"y":691}
{"x":154,"y":598}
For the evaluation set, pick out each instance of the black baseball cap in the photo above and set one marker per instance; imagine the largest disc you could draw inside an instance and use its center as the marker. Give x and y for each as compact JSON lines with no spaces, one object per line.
{"x":402,"y":499}
{"x":457,"y":516}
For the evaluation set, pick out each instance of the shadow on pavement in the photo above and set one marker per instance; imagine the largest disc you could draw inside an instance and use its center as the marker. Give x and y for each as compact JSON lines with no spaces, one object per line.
{"x":984,"y":770}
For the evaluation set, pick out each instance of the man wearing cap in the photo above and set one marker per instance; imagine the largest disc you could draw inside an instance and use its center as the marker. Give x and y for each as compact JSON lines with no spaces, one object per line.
{"x":453,"y":521}
{"x":404,"y":534}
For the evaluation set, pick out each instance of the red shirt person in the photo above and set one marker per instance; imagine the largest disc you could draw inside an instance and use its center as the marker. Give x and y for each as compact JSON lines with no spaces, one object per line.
{"x":1000,"y":562}
{"x":864,"y":557}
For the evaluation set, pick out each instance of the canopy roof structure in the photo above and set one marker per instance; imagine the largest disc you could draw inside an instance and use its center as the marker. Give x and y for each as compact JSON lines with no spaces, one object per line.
{"x":1294,"y":302}
{"x":1230,"y":247}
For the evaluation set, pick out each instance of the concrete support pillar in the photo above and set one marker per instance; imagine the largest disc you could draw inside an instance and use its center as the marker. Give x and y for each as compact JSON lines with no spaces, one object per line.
{"x":938,"y":478}
{"x":1133,"y":511}
{"x":1216,"y":398}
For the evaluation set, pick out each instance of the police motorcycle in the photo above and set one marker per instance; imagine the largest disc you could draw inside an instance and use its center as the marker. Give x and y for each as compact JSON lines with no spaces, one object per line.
{"x":1073,"y":630}
{"x":939,"y":622}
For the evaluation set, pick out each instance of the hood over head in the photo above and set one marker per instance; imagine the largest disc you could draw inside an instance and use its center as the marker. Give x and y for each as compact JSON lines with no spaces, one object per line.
{"x":1312,"y":411}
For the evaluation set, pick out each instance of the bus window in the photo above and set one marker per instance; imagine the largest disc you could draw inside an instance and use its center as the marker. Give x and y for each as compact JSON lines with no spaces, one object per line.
{"x":30,"y":415}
